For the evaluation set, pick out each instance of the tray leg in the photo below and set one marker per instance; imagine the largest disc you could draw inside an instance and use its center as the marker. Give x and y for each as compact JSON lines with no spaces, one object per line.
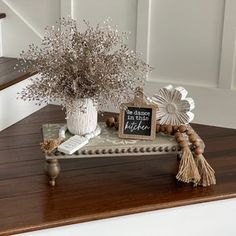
{"x":52,"y":169}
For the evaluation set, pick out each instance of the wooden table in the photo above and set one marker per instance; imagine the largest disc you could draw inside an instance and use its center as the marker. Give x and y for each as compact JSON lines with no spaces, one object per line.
{"x":98,"y":188}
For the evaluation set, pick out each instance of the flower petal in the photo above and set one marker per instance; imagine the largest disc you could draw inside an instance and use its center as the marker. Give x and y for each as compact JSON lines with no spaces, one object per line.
{"x":183,"y":91}
{"x":191,"y":116}
{"x":183,"y":118}
{"x":191,"y":102}
{"x":176,"y":96}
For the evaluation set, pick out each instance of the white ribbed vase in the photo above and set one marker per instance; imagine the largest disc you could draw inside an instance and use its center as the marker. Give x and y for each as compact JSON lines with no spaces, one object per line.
{"x":82,"y":121}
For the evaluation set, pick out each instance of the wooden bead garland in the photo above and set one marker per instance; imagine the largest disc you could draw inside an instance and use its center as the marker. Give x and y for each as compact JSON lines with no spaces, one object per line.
{"x":116,"y":124}
{"x":175,"y":130}
{"x":110,"y":122}
{"x":193,"y":168}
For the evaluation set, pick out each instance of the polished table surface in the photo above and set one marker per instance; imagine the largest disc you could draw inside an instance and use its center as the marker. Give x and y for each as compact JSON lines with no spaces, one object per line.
{"x":98,"y":188}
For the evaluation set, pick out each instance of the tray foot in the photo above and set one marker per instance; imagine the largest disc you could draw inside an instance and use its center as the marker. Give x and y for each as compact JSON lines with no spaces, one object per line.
{"x":52,"y":169}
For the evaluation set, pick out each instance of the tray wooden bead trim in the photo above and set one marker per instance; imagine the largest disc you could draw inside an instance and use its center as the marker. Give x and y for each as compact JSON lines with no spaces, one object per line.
{"x":108,"y":144}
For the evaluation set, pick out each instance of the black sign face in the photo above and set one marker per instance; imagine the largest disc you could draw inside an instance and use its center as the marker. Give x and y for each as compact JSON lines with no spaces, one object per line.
{"x":137,"y":121}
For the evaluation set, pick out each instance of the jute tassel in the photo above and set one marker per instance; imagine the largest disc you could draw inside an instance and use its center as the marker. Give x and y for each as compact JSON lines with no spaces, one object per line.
{"x":188,"y":171}
{"x":49,"y":145}
{"x":205,"y":170}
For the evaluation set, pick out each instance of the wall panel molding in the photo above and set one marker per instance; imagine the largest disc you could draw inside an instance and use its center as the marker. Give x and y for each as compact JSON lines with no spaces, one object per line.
{"x":228,"y":53}
{"x":223,"y":90}
{"x":68,"y":8}
{"x":143,"y":28}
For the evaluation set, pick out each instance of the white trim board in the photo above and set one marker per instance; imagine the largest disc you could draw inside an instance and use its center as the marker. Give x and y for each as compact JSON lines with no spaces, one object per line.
{"x":227,"y":76}
{"x":12,"y":109}
{"x":143,"y":28}
{"x":66,"y":8}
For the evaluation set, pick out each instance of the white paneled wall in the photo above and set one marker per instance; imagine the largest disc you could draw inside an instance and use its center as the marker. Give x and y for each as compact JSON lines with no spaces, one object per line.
{"x":25,"y":23}
{"x":38,"y":14}
{"x":192,"y":43}
{"x":122,"y":13}
{"x":188,"y":42}
{"x":185,"y":41}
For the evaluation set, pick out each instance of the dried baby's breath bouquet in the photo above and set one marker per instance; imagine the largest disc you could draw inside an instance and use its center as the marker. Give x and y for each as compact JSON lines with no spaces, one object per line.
{"x":72,"y":64}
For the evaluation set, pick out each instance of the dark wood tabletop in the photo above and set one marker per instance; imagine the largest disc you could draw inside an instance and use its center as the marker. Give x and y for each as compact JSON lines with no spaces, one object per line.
{"x":90,"y":189}
{"x":9,"y":75}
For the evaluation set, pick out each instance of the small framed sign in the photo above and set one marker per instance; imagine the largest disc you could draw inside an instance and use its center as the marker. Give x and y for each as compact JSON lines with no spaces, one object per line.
{"x":138,"y":119}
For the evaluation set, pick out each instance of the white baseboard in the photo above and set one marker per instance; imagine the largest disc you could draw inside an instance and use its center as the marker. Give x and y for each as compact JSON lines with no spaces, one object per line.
{"x":12,"y":109}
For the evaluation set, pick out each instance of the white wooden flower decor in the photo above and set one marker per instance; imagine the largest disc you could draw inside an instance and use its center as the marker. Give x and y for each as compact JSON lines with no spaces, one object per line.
{"x":174,"y":107}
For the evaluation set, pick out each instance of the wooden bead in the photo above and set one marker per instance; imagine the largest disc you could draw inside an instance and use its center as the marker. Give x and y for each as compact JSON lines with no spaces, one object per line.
{"x":198,"y":151}
{"x":182,"y":128}
{"x":154,"y":149}
{"x":117,"y":118}
{"x":158,"y":128}
{"x":167,"y":149}
{"x":110,"y":122}
{"x":169,"y":129}
{"x":175,"y":128}
{"x":189,"y":132}
{"x":163,"y":128}
{"x":183,"y":144}
{"x":142,"y":149}
{"x":180,"y":139}
{"x":197,"y":143}
{"x":130,"y":150}
{"x":116,"y":125}
{"x":104,"y":151}
{"x":178,"y":134}
{"x":192,"y":138}
{"x":173,"y":149}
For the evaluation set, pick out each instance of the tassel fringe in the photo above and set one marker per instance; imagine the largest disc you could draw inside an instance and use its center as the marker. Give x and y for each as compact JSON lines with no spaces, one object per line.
{"x":188,"y":171}
{"x":49,"y":145}
{"x":205,"y":170}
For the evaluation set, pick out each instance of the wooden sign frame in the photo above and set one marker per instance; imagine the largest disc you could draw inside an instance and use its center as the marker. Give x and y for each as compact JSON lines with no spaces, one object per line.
{"x":138,"y":103}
